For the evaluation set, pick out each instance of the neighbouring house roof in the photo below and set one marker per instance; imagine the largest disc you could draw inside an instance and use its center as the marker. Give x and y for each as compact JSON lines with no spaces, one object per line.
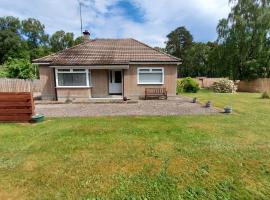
{"x":107,"y":52}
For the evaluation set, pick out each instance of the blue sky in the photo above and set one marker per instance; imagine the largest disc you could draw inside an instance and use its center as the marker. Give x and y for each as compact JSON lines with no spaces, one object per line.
{"x":146,"y":20}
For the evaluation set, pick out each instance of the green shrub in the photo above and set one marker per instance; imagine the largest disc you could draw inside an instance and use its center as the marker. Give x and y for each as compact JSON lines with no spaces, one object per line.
{"x":20,"y":68}
{"x":3,"y":72}
{"x":187,"y":85}
{"x":224,"y":86}
{"x":265,"y":95}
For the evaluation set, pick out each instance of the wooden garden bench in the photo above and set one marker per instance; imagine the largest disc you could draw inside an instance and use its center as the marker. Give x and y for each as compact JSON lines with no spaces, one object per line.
{"x":155,"y":92}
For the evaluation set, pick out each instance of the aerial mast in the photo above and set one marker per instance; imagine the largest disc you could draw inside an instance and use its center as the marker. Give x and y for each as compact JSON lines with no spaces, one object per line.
{"x":81,"y":17}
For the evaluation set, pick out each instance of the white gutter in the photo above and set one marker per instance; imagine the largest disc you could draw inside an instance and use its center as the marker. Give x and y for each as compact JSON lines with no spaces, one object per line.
{"x":153,"y":63}
{"x":95,"y":67}
{"x":40,"y":63}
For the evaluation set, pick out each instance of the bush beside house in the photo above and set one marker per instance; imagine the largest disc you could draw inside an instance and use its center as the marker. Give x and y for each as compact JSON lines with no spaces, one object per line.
{"x":188,"y":85}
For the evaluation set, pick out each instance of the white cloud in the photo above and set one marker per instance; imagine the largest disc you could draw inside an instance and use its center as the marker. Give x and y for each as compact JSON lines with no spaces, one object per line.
{"x":104,"y":20}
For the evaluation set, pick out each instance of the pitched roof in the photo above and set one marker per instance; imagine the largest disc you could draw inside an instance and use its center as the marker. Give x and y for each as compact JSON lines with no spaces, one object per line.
{"x":107,"y":52}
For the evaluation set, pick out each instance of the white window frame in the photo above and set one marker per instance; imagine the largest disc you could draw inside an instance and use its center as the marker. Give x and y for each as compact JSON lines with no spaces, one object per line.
{"x":150,"y":72}
{"x":71,"y":71}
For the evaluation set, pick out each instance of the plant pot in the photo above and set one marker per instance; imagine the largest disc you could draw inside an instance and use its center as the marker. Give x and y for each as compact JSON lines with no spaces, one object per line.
{"x":194,"y":100}
{"x":38,"y":118}
{"x":208,"y":104}
{"x":228,"y":110}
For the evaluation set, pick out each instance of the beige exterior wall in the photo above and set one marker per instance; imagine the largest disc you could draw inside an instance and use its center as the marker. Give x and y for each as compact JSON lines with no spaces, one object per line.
{"x":133,"y":90}
{"x":73,"y":94}
{"x":47,"y":82}
{"x":99,"y":83}
{"x":99,"y":80}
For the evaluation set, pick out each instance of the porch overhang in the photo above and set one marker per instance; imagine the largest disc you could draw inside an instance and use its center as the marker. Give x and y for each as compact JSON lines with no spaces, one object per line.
{"x":94,"y":67}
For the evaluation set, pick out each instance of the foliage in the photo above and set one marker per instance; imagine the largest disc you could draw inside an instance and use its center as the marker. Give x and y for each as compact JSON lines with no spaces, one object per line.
{"x":27,"y":39}
{"x":79,"y":40}
{"x":34,"y":31}
{"x":265,"y":95}
{"x":61,"y":40}
{"x":188,"y":85}
{"x":3,"y":72}
{"x":196,"y":60}
{"x":224,"y":86}
{"x":244,"y":36}
{"x":242,"y":49}
{"x":20,"y":68}
{"x":178,"y":42}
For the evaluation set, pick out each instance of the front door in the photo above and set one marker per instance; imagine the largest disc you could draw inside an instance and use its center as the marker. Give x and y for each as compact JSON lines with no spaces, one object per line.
{"x":115,"y":82}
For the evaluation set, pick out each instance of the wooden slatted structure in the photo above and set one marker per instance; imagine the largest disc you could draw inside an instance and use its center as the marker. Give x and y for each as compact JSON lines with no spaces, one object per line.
{"x":156,"y":92}
{"x":16,"y":106}
{"x":16,"y":100}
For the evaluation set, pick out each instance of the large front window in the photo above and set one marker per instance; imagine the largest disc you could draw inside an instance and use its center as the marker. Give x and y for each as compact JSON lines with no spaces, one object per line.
{"x":150,"y":75}
{"x":72,"y":77}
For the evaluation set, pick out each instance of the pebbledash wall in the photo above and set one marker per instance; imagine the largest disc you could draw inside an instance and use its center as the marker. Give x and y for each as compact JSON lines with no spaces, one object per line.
{"x":99,"y":84}
{"x":99,"y":80}
{"x":47,"y":82}
{"x":133,"y":90}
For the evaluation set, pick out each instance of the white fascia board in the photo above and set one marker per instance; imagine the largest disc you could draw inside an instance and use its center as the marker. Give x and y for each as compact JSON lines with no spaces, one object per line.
{"x":155,"y":63}
{"x":94,"y":67}
{"x":41,"y":63}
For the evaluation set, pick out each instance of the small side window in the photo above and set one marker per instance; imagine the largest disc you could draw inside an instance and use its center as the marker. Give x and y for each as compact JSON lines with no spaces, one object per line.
{"x":79,"y":70}
{"x":144,"y":70}
{"x":63,"y":70}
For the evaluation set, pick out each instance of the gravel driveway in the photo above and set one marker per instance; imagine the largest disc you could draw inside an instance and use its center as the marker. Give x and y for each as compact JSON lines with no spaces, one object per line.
{"x":179,"y":106}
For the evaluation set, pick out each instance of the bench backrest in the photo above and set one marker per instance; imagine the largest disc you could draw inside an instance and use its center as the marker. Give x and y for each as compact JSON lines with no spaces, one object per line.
{"x":155,"y":91}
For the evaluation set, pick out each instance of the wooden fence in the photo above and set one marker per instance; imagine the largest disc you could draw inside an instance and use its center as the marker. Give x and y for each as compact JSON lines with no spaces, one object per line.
{"x":16,"y":106}
{"x":16,"y":99}
{"x":205,"y":82}
{"x":19,"y":85}
{"x":258,"y":85}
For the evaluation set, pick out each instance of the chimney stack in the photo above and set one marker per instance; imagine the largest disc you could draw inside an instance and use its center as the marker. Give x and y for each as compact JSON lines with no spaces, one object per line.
{"x":86,"y":35}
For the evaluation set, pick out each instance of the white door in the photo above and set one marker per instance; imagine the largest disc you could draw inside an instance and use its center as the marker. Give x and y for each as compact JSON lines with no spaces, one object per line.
{"x":115,"y":82}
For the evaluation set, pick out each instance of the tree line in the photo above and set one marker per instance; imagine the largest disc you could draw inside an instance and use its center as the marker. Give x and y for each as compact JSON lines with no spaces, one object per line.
{"x":241,"y":51}
{"x":28,"y":39}
{"x":21,"y":41}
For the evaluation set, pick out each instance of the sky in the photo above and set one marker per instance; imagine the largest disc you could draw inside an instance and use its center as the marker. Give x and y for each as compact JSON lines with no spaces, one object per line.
{"x":149,"y":21}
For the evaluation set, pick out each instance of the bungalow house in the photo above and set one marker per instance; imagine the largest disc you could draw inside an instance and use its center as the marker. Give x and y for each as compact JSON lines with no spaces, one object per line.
{"x":102,"y":68}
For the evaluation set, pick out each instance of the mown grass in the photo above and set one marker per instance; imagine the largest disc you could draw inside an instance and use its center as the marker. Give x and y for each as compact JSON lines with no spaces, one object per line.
{"x":190,"y":157}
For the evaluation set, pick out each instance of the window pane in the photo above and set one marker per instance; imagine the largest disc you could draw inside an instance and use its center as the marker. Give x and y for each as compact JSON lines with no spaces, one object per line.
{"x":110,"y":76}
{"x":144,"y":70}
{"x":63,"y":70}
{"x":69,"y":79}
{"x":79,"y":70}
{"x":79,"y":79}
{"x":156,"y":70}
{"x":150,"y":77}
{"x":118,"y":77}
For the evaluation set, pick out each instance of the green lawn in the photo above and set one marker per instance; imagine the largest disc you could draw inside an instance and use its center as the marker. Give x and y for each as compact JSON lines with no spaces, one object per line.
{"x":191,"y":157}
